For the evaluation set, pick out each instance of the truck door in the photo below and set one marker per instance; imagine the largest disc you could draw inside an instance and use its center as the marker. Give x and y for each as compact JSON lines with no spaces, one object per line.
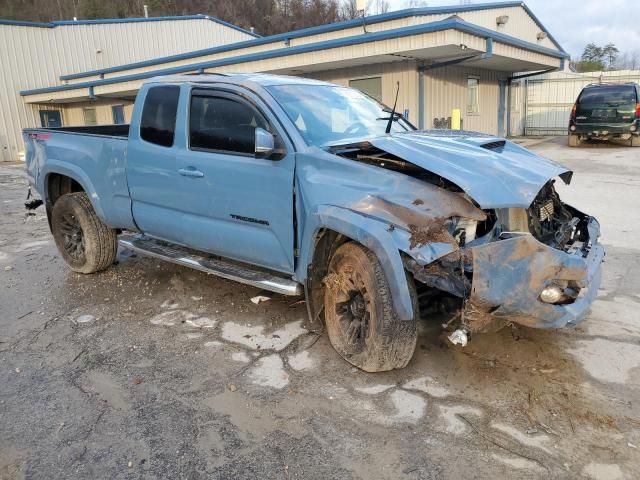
{"x":152,"y":172}
{"x":235,"y":204}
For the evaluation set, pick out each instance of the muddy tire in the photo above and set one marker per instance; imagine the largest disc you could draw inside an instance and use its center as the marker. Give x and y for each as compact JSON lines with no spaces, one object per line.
{"x":574,"y":140}
{"x":635,"y":140}
{"x":359,"y":314}
{"x":83,"y":240}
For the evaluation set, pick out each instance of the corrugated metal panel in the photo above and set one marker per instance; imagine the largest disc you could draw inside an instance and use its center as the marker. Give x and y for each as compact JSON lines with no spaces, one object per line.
{"x":549,"y":99}
{"x":32,"y":57}
{"x":402,"y":71}
{"x":446,"y":89}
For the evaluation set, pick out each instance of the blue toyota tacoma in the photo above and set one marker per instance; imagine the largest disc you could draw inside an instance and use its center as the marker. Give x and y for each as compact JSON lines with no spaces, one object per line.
{"x":299,"y":186}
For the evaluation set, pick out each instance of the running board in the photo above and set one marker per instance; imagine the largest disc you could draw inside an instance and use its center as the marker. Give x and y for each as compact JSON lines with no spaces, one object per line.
{"x":225,"y":269}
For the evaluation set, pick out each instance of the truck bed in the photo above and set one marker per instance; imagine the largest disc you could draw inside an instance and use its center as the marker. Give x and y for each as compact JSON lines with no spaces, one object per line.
{"x":103,"y":130}
{"x":95,"y":156}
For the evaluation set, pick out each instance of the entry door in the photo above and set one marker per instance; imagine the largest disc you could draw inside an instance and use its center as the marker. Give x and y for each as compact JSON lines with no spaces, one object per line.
{"x":50,"y":118}
{"x":236,"y":205}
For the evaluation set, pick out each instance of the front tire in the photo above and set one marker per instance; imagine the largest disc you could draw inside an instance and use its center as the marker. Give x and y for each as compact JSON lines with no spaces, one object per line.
{"x":83,"y":240}
{"x":359,"y":314}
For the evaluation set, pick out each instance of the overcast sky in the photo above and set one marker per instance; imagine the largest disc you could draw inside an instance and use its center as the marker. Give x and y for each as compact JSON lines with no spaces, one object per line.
{"x":574,"y":23}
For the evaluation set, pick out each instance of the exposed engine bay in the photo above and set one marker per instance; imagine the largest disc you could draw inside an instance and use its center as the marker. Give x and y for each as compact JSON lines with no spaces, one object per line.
{"x":515,"y":242}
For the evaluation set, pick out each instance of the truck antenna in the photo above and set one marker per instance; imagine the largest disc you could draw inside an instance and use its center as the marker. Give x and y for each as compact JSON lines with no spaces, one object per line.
{"x":393,"y":110}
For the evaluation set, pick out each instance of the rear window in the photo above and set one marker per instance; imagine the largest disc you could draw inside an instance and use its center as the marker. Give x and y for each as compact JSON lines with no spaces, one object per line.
{"x":158,"y":124}
{"x":614,"y":94}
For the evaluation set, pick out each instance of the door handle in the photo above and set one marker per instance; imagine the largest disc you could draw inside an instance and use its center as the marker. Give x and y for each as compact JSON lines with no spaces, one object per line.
{"x":190,"y":172}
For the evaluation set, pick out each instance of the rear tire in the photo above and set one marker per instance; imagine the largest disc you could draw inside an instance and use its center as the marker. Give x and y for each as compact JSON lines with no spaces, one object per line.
{"x":83,"y":240}
{"x":574,"y":140}
{"x":359,"y":314}
{"x":635,"y":140}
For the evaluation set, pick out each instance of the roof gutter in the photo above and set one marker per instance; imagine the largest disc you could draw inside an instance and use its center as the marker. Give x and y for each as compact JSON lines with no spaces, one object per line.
{"x":448,"y":24}
{"x":286,"y":37}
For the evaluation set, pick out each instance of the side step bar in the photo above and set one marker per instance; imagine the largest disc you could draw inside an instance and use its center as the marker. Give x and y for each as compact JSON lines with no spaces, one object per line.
{"x":225,"y":269}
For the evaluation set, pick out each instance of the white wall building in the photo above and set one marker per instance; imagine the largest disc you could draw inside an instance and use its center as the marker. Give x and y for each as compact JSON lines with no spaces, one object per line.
{"x":34,"y":55}
{"x":445,"y":58}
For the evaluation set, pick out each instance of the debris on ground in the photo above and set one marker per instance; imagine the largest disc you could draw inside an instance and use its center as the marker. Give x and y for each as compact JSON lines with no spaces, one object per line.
{"x":261,"y":297}
{"x":85,"y":319}
{"x":458,"y":337}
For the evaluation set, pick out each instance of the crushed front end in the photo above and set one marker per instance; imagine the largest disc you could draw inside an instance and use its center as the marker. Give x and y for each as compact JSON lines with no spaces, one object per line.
{"x":539,"y":267}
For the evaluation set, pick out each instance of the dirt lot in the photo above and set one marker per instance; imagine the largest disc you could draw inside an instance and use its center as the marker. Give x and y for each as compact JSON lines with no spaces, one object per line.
{"x":176,"y":374}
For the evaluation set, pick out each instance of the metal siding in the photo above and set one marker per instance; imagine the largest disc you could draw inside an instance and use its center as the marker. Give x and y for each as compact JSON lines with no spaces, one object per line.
{"x":33,"y":57}
{"x":446,"y":89}
{"x":403,"y":71}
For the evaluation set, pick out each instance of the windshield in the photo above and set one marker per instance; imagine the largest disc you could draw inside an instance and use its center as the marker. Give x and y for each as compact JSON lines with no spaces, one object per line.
{"x":329,"y":114}
{"x":613,"y":94}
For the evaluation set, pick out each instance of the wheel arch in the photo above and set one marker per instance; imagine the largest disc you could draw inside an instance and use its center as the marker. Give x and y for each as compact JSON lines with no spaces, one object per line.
{"x":59,"y":179}
{"x":327,"y":228}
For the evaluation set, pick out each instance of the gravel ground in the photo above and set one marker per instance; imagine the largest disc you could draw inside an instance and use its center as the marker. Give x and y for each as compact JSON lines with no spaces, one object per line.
{"x":149,"y":370}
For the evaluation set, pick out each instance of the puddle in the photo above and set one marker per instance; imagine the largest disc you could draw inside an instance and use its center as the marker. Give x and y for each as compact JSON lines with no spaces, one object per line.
{"x":301,"y":361}
{"x":269,"y":372}
{"x":171,"y":318}
{"x":427,"y":385}
{"x":536,"y":440}
{"x":517,"y":462}
{"x":374,"y":389}
{"x":241,"y":357}
{"x":255,"y":337}
{"x":602,"y":471}
{"x":608,"y":361}
{"x":409,"y":407}
{"x":452,"y":423}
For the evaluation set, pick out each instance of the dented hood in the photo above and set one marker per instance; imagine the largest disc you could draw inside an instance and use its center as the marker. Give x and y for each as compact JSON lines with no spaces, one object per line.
{"x":496,"y":173}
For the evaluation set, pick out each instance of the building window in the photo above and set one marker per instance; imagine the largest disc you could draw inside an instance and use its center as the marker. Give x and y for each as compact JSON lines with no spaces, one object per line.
{"x":371,"y":86}
{"x":117,"y":111}
{"x":50,"y":118}
{"x":223,"y":124}
{"x":89,"y":116}
{"x":158,"y":122}
{"x":472,"y":94}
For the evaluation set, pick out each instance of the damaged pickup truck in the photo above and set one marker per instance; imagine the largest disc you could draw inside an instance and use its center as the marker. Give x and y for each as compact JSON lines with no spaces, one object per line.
{"x":295,"y":185}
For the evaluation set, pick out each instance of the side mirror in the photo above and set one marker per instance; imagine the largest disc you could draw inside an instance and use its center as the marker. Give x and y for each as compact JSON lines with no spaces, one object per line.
{"x":265,"y":143}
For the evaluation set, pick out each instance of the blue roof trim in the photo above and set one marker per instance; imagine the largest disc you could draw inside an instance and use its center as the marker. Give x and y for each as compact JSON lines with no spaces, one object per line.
{"x":102,"y":21}
{"x":332,"y":27}
{"x":21,"y":23}
{"x":453,"y":23}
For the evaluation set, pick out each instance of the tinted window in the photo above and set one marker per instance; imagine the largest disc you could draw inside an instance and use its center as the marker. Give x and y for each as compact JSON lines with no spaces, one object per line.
{"x":117,"y":112}
{"x":616,"y":94}
{"x":218,"y":123}
{"x":158,"y":122}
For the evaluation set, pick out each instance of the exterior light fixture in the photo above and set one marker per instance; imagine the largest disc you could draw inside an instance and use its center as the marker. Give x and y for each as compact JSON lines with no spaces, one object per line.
{"x":541,"y":35}
{"x":502,"y":20}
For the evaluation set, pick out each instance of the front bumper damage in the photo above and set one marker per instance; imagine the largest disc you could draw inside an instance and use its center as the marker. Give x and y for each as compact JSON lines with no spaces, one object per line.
{"x":510,"y":274}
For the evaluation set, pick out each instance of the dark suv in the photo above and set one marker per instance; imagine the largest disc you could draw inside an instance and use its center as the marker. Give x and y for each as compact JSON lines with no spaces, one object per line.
{"x":606,"y":111}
